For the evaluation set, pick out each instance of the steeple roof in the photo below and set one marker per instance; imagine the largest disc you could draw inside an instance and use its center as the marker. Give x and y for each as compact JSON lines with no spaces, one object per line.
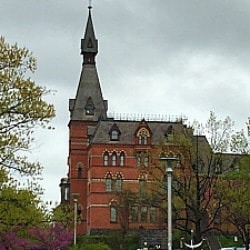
{"x":88,"y":104}
{"x":89,"y":44}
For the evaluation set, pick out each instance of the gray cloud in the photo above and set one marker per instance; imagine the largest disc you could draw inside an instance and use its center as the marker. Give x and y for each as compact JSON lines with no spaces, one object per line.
{"x":169,"y":57}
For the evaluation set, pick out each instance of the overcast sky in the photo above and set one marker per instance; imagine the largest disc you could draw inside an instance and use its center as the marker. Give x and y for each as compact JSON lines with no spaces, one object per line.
{"x":167,"y":57}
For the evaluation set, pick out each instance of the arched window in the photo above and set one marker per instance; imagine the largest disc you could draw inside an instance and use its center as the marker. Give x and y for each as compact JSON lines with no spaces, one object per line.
{"x":134,"y":214}
{"x":143,"y":139}
{"x":152,"y":214}
{"x":142,"y":159}
{"x":146,"y":161}
{"x":144,"y":214}
{"x":119,"y":183}
{"x":143,"y":135}
{"x":108,"y":183}
{"x":138,"y":160}
{"x":140,"y":139}
{"x":113,"y":214}
{"x":122,"y":159}
{"x":106,"y":159}
{"x":79,"y":172}
{"x":114,"y":159}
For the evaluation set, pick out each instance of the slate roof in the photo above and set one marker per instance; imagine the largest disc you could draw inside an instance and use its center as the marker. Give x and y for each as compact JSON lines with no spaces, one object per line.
{"x":128,"y":128}
{"x":89,"y":86}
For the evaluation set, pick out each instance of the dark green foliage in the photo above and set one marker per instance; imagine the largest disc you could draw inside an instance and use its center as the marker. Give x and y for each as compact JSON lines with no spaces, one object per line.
{"x":91,"y":246}
{"x":114,"y":240}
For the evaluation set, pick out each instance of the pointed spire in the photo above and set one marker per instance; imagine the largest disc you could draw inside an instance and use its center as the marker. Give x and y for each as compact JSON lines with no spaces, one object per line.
{"x":89,"y":104}
{"x":90,"y":6}
{"x":89,"y":44}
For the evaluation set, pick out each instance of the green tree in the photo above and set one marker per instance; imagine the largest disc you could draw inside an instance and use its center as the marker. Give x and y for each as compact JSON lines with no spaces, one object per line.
{"x":22,"y":108}
{"x":19,"y":207}
{"x":204,"y":153}
{"x":64,"y":214}
{"x":235,"y":200}
{"x":207,"y":157}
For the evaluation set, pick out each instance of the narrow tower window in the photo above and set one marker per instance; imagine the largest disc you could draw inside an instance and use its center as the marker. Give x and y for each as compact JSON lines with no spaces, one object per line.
{"x":122,"y":159}
{"x":109,"y":183}
{"x":89,"y":108}
{"x":79,"y":173}
{"x":113,"y":214}
{"x":106,"y":159}
{"x":114,"y":159}
{"x":119,"y":183}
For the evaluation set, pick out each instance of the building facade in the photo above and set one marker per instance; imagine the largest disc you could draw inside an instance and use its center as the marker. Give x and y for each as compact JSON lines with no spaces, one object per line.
{"x":113,"y":161}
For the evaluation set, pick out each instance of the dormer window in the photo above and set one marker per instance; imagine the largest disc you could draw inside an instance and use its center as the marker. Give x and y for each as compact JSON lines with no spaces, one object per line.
{"x":143,"y":135}
{"x":169,"y":133}
{"x":90,"y":108}
{"x":114,"y":133}
{"x":143,"y":139}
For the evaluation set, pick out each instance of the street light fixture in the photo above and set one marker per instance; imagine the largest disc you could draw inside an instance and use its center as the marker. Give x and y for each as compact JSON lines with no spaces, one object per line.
{"x":75,"y":200}
{"x":169,"y":170}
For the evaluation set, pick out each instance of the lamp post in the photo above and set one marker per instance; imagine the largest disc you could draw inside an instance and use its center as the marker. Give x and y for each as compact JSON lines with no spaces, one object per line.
{"x":75,"y":200}
{"x":169,"y":170}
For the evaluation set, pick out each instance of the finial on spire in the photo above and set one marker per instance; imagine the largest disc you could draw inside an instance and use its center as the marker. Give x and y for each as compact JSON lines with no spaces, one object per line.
{"x":90,"y":5}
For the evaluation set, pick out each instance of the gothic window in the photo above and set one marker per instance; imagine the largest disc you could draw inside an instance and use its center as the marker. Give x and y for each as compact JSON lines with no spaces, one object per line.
{"x":114,"y":159}
{"x":79,"y":172}
{"x":152,"y":214}
{"x":143,"y":139}
{"x":134,"y":214}
{"x":79,"y":168}
{"x":144,"y":214}
{"x":142,"y":159}
{"x":146,"y":161}
{"x":109,"y":183}
{"x":119,"y":183}
{"x":138,"y":160}
{"x":89,"y":108}
{"x":143,"y":135}
{"x":106,"y":159}
{"x":113,"y":214}
{"x":122,"y":159}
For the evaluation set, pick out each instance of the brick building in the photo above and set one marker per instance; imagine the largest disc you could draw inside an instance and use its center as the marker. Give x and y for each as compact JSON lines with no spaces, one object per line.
{"x":109,"y":157}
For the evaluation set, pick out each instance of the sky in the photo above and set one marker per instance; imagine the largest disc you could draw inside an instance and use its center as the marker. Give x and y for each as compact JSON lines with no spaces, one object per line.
{"x":156,"y":57}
